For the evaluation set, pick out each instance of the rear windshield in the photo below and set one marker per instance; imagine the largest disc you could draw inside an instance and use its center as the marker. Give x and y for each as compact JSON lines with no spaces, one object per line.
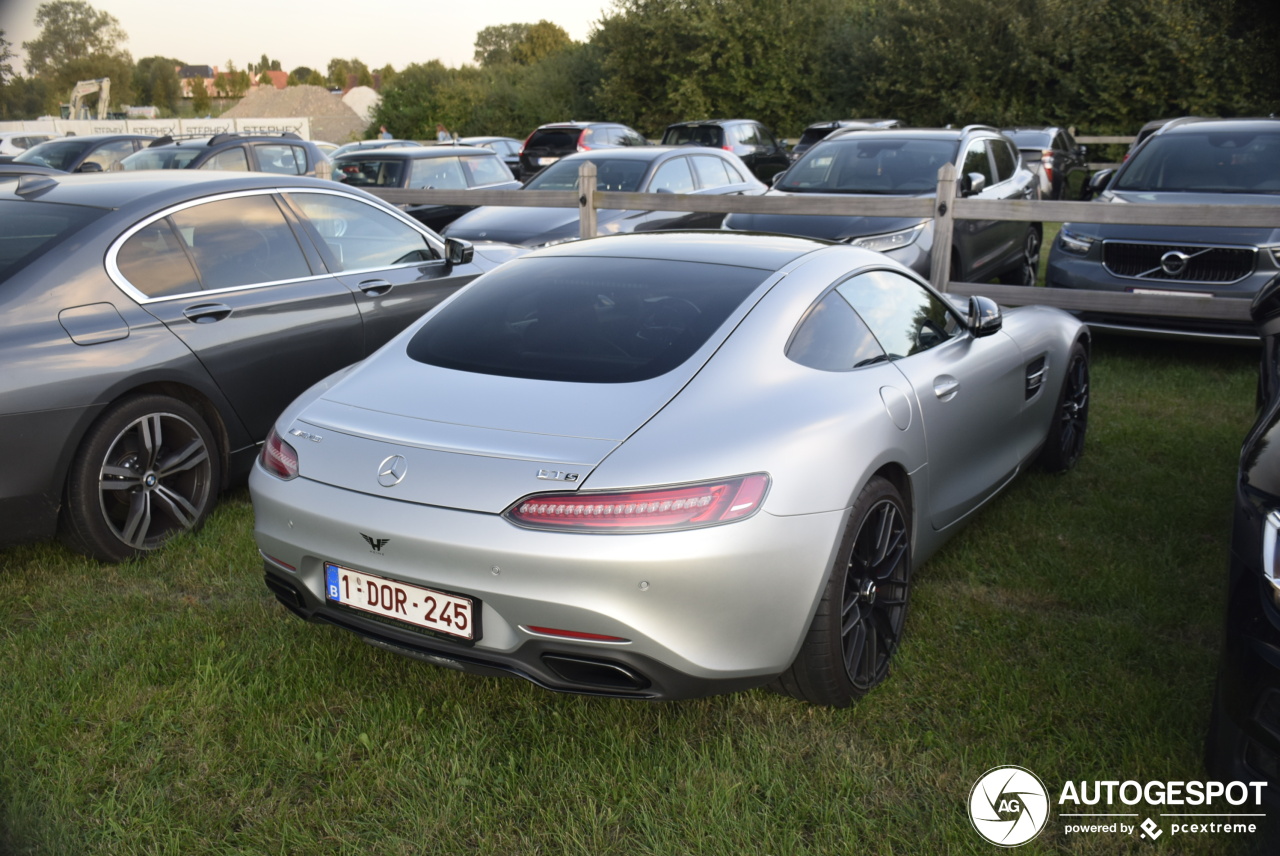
{"x":870,"y":164}
{"x":59,"y":154}
{"x":623,"y":175}
{"x":1031,"y":139}
{"x":1205,"y":162}
{"x":812,"y":135}
{"x":555,"y":138}
{"x":584,"y":320}
{"x":370,"y":171}
{"x":29,"y":229}
{"x":699,"y":135}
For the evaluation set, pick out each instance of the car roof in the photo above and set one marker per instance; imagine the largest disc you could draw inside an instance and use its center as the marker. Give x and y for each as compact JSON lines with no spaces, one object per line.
{"x":640,"y":153}
{"x":740,"y":249}
{"x":416,"y":153}
{"x":908,"y":133}
{"x":709,"y":122}
{"x":576,"y":124}
{"x":1194,"y":125}
{"x":156,"y":188}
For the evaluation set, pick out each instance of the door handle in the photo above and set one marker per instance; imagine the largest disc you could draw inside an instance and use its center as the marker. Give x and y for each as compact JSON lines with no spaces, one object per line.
{"x":946,"y":387}
{"x":206,"y":313}
{"x":375,"y":287}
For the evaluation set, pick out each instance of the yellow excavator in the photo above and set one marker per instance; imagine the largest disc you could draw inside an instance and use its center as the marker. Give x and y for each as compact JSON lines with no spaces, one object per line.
{"x":82,"y":92}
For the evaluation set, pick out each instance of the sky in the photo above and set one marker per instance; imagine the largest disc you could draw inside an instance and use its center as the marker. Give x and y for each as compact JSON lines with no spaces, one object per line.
{"x":377,"y":32}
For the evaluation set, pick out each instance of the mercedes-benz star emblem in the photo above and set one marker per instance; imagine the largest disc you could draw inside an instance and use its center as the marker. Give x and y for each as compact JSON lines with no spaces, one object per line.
{"x":392,"y":470}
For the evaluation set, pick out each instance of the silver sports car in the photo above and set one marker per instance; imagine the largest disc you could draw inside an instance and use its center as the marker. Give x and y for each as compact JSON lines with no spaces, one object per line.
{"x":663,"y":465}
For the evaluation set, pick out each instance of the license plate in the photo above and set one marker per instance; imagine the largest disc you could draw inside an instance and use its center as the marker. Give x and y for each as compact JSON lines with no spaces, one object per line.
{"x":1164,"y":292}
{"x":421,"y":607}
{"x":547,"y":161}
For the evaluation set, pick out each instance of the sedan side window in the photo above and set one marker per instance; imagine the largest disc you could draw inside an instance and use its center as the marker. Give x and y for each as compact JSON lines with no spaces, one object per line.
{"x":360,"y":236}
{"x":284,"y":160}
{"x":109,"y":154}
{"x":438,"y":174}
{"x":1006,"y":160}
{"x":904,"y":316}
{"x":241,"y":241}
{"x":486,"y":170}
{"x":712,"y":172}
{"x":833,"y":338}
{"x":155,"y":262}
{"x":673,"y":177}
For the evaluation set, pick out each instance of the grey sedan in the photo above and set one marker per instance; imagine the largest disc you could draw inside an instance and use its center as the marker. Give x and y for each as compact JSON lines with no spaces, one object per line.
{"x":637,"y":169}
{"x":154,"y":324}
{"x":663,"y":466}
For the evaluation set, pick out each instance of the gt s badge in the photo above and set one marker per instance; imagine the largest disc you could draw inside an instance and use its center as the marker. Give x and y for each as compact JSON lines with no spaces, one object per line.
{"x":556,"y":475}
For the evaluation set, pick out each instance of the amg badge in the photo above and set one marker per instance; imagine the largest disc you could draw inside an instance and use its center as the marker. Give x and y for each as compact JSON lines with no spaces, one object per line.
{"x":556,"y":475}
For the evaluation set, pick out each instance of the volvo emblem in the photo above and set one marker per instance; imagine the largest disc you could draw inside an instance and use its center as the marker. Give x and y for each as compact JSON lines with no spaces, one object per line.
{"x":1174,"y":263}
{"x":392,"y":470}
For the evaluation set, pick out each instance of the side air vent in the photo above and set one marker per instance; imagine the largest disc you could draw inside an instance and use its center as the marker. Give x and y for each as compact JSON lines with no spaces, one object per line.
{"x":1036,"y":373}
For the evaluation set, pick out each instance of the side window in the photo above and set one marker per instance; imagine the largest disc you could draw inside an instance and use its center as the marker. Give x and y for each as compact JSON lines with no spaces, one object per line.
{"x":712,"y":171}
{"x":976,"y":160}
{"x":765,"y":138}
{"x":109,"y":154}
{"x":241,"y":241}
{"x":747,"y":135}
{"x":481,"y":171}
{"x":359,"y":235}
{"x":832,"y":337}
{"x":1006,"y":160}
{"x":438,"y":174}
{"x":154,"y":261}
{"x":235,"y":160}
{"x":672,"y":176}
{"x":281,"y":159}
{"x":904,"y":316}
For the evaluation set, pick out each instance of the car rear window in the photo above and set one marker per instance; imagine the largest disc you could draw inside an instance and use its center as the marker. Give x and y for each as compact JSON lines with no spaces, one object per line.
{"x":372,"y":171}
{"x":29,"y":229}
{"x":699,"y":135}
{"x":619,"y":174}
{"x":59,"y":154}
{"x":870,"y":164}
{"x":172,"y":158}
{"x":1031,"y":139}
{"x":813,"y":135}
{"x":554,"y":138}
{"x":584,"y":320}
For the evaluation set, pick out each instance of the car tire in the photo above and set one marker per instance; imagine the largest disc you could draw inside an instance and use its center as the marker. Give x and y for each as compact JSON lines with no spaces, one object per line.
{"x":1065,"y":442}
{"x":1028,"y":268}
{"x":859,"y":620}
{"x":148,"y":469}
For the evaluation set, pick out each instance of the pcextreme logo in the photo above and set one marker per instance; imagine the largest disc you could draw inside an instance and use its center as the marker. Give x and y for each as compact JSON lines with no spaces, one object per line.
{"x":1010,"y":805}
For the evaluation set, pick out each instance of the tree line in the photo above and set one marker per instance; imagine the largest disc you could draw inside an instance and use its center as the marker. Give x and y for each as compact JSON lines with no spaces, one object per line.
{"x":1105,"y":66}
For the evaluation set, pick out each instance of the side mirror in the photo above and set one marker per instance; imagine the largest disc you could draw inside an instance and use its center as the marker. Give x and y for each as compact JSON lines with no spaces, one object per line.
{"x":1100,"y":180}
{"x":89,"y":166}
{"x":972,"y":183}
{"x":776,"y":178}
{"x":664,"y":190}
{"x":1265,"y":308}
{"x":984,"y":317}
{"x":458,"y":252}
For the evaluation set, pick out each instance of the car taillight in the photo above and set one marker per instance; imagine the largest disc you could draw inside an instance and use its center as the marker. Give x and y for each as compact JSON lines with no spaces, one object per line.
{"x":727,"y":148}
{"x":582,"y":146}
{"x":1047,"y":159}
{"x":649,"y":510}
{"x":278,"y":457}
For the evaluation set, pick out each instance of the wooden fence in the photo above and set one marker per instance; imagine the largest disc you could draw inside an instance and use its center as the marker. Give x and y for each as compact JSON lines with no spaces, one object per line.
{"x":945,"y":207}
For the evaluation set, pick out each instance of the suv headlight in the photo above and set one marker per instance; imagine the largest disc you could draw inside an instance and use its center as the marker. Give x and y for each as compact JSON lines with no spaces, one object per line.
{"x":1076,"y":244}
{"x":890,"y":241}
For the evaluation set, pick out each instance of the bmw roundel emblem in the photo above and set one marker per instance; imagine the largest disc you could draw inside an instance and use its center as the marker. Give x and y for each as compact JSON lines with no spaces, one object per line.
{"x":392,"y":470}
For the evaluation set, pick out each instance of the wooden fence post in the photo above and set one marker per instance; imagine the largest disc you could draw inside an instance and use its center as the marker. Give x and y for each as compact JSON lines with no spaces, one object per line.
{"x":943,"y":223}
{"x":587,"y":200}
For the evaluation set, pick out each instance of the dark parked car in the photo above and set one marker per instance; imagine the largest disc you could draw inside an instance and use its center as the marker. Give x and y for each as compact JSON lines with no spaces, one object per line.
{"x":1056,"y":158}
{"x":88,"y":153}
{"x":821,"y":130}
{"x":285,"y":155}
{"x":507,"y":148}
{"x":444,"y":167}
{"x":1244,"y":735}
{"x":1202,"y":163}
{"x":905,"y":162}
{"x":153,"y":324}
{"x":15,"y":171}
{"x":361,"y":145}
{"x":763,"y":154}
{"x":549,"y":143}
{"x":652,"y":169}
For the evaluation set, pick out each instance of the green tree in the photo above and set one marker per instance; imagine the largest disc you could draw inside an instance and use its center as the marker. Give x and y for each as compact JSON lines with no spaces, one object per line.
{"x":340,"y":71}
{"x":6,"y":60}
{"x":200,"y":102}
{"x":541,"y":41}
{"x":155,"y":82}
{"x":494,"y":44}
{"x":77,"y":42}
{"x":414,"y":102}
{"x":316,"y":79}
{"x":302,"y":73}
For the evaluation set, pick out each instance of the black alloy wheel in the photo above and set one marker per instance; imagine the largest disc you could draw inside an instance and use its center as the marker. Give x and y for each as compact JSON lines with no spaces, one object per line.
{"x":1028,"y":269}
{"x":146,"y":471}
{"x":1065,"y":442}
{"x":859,"y":622}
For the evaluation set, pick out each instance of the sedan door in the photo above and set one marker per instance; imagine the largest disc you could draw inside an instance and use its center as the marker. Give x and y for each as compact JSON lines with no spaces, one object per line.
{"x":969,"y":390}
{"x":396,"y":270}
{"x":230,"y":279}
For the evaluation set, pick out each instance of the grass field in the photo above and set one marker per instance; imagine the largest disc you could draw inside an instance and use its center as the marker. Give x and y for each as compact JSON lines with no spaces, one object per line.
{"x":169,"y":706}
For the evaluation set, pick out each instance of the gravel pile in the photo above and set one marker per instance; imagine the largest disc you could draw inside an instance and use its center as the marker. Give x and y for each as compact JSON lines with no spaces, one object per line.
{"x":330,"y":118}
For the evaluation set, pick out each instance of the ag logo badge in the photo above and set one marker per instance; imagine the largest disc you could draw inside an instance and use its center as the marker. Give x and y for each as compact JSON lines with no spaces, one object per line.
{"x":1009,"y":806}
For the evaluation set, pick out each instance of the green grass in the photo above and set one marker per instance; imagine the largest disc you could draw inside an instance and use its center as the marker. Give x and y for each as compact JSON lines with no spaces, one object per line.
{"x":169,"y":706}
